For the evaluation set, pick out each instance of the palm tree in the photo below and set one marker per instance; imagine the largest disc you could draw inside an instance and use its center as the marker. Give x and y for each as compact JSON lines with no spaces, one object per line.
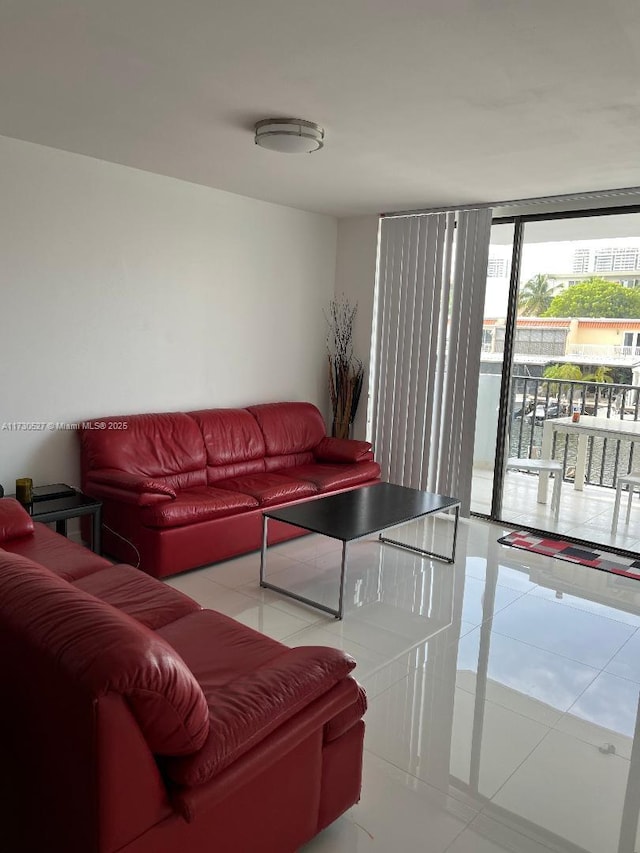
{"x":600,"y":374}
{"x":560,"y":371}
{"x":535,"y":296}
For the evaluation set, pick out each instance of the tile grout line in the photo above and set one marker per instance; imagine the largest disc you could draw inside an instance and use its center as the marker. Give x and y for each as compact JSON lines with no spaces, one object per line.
{"x":511,"y":775}
{"x":603,"y":671}
{"x":429,"y":785}
{"x":566,"y":657}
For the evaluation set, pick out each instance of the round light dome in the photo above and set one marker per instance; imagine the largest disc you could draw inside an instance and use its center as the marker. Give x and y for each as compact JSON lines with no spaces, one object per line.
{"x":289,"y":135}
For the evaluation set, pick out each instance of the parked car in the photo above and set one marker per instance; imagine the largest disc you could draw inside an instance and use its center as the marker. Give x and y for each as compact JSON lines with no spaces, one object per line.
{"x":520,"y":410}
{"x":550,"y":410}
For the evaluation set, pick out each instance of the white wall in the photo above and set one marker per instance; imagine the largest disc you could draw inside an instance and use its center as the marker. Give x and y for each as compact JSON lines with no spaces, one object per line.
{"x":123,"y":291}
{"x":355,"y":278}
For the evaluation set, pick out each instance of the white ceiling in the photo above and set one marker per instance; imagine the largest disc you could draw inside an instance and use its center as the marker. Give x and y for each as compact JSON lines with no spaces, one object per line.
{"x":424,"y":102}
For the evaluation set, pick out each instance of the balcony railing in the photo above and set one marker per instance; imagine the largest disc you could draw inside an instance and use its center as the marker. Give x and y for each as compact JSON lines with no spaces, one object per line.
{"x":535,"y":400}
{"x":597,"y":352}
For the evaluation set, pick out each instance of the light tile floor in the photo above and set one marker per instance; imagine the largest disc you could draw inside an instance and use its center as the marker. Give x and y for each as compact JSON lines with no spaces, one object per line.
{"x":503,"y":690}
{"x":585,"y":514}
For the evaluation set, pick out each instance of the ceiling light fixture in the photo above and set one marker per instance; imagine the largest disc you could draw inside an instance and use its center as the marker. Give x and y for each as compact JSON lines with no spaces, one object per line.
{"x":289,"y":135}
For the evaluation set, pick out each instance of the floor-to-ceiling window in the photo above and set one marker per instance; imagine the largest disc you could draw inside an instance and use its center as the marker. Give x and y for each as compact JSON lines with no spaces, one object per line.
{"x":561,"y":340}
{"x":492,"y":365}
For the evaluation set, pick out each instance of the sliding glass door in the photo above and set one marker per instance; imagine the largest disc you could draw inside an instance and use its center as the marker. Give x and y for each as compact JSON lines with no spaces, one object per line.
{"x":492,"y":366}
{"x":560,"y":375}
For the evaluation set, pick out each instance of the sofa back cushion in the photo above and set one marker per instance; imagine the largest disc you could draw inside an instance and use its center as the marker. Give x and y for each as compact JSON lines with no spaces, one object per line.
{"x":105,"y":651}
{"x":168,"y":447}
{"x":289,"y":460}
{"x":15,"y":521}
{"x":233,"y":441}
{"x":289,"y":427}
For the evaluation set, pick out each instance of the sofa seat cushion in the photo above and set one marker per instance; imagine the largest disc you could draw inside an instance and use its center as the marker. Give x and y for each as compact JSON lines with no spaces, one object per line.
{"x":201,"y":503}
{"x":254,"y":705}
{"x":278,"y":464}
{"x":270,"y":488}
{"x":65,"y":558}
{"x":217,"y":649}
{"x":151,"y":602}
{"x":328,"y":477}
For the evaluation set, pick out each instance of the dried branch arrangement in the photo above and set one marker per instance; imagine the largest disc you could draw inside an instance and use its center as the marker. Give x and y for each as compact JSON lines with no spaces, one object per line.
{"x":346,"y":373}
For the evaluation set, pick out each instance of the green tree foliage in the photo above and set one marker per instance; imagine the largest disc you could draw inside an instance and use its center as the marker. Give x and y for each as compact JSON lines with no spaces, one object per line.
{"x":596,"y":297}
{"x":562,"y":372}
{"x":600,"y":374}
{"x":535,"y":296}
{"x":567,"y":372}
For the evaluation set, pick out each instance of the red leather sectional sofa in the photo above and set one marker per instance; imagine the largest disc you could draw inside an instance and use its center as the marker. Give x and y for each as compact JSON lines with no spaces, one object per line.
{"x":133,"y":720}
{"x":188,"y":488}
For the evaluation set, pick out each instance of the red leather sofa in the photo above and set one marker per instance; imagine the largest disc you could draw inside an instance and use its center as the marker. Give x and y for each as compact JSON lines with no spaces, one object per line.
{"x":188,"y":488}
{"x":133,"y":720}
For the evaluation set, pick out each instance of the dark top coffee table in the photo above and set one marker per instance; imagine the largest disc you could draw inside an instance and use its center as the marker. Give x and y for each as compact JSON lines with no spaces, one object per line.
{"x":355,"y":514}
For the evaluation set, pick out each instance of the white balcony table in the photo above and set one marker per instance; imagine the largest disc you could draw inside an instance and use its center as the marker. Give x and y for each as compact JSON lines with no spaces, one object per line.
{"x":586,"y":426}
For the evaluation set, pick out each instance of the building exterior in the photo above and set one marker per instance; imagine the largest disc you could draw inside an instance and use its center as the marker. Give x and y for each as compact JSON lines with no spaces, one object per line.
{"x":579,"y":340}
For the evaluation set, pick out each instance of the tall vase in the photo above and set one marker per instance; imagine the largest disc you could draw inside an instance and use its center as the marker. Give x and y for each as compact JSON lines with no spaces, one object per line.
{"x":343,"y":404}
{"x":340,"y":427}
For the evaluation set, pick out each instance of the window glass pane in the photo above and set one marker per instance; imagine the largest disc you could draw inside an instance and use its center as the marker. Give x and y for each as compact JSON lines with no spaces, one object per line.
{"x":575,"y":350}
{"x":495,"y":312}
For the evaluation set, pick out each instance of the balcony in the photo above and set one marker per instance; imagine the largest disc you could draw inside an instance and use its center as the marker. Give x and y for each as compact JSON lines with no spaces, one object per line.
{"x":602,"y":353}
{"x":583,"y":514}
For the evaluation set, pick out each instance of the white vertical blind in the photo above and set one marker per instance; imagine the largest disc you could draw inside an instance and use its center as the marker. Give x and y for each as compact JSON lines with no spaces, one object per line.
{"x":429,"y":337}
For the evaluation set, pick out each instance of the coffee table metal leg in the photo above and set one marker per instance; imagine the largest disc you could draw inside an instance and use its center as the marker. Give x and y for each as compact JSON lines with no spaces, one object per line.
{"x":424,"y":552}
{"x":266,"y":585}
{"x":343,"y":572}
{"x":96,"y":531}
{"x":455,"y":534}
{"x":263,"y":552}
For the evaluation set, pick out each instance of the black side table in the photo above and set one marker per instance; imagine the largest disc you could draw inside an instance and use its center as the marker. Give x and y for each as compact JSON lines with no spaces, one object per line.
{"x":61,"y":509}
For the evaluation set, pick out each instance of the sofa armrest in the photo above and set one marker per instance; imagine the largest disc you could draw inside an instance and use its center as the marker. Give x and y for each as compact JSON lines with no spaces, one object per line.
{"x":245,"y":711}
{"x":343,"y":450}
{"x":128,"y":488}
{"x":193,"y":801}
{"x":15,"y":521}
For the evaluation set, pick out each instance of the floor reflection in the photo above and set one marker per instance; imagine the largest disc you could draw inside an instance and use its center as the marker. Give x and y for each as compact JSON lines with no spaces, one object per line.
{"x":526,"y":715}
{"x":503,"y":690}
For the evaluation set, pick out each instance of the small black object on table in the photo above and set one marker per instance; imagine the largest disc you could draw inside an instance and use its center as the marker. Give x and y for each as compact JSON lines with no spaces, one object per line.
{"x":73,"y":505}
{"x":355,"y":514}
